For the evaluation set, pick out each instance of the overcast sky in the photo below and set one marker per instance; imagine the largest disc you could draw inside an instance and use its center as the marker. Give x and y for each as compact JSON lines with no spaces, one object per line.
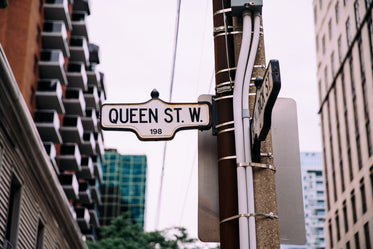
{"x":136,"y":39}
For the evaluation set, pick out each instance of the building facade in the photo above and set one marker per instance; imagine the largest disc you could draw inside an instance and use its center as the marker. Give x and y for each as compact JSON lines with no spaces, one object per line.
{"x":344,"y":43}
{"x":123,"y":188}
{"x":313,"y":201}
{"x":49,"y":63}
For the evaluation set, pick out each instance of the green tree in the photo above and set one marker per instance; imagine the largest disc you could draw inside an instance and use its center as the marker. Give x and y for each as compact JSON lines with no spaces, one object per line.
{"x":123,"y":234}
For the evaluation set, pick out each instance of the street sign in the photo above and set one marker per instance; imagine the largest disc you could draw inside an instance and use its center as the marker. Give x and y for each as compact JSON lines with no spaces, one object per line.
{"x":155,"y":119}
{"x":265,"y":99}
{"x":285,"y":144}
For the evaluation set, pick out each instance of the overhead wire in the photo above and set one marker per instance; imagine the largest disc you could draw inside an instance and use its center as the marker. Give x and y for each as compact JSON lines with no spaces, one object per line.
{"x":159,"y":204}
{"x":195,"y":158}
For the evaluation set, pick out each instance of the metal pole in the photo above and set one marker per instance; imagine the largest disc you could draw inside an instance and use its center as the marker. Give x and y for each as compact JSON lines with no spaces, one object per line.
{"x":227,"y":44}
{"x":224,"y":73}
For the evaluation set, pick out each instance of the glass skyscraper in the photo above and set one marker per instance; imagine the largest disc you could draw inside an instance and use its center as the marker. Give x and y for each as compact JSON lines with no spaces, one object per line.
{"x":123,"y":187}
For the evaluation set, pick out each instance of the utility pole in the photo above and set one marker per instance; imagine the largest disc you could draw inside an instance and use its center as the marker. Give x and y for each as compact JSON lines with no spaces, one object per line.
{"x":227,"y":41}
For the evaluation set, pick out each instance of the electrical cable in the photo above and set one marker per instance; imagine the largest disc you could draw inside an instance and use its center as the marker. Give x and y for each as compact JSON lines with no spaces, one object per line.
{"x":170,"y":98}
{"x":188,"y":185}
{"x":238,"y":129}
{"x":246,"y":130}
{"x":175,"y":48}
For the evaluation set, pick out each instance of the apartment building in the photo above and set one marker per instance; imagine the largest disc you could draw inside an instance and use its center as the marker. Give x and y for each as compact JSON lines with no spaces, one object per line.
{"x":49,"y":75}
{"x":123,"y":187}
{"x":344,"y":43}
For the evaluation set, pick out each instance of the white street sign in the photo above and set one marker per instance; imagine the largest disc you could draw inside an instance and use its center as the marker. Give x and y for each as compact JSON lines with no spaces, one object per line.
{"x":265,"y":99}
{"x":155,"y":119}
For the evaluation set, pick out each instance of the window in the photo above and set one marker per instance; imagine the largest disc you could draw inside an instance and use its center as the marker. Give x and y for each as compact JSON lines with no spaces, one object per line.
{"x":357,"y":241}
{"x":326,"y":172}
{"x":14,"y":207}
{"x":38,"y":33}
{"x":320,"y":93}
{"x":354,"y":104}
{"x":348,"y":245}
{"x":363,"y":196}
{"x":371,"y":178}
{"x":367,"y":236}
{"x":41,"y":2}
{"x":337,"y":226}
{"x":1,"y":155}
{"x":348,"y":32}
{"x":326,"y":78}
{"x":36,"y":62}
{"x":370,"y":36}
{"x":353,"y":206}
{"x":323,"y":44}
{"x":40,"y":236}
{"x":346,"y":125}
{"x":32,"y":95}
{"x":330,"y":233}
{"x":367,"y":3}
{"x":330,"y":29}
{"x":365,"y":99}
{"x":345,"y":218}
{"x":357,"y":14}
{"x":332,"y":64}
{"x":340,"y":56}
{"x":341,"y":170}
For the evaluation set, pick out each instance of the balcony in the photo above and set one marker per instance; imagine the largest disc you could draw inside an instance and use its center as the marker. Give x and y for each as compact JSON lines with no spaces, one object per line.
{"x":79,"y":49}
{"x":93,"y":77}
{"x":51,"y":151}
{"x":72,"y":210}
{"x":48,"y":125}
{"x":102,"y":84}
{"x":79,"y":23}
{"x":97,"y":168}
{"x":76,"y":75}
{"x":91,"y":97}
{"x":84,"y":192}
{"x":88,"y":146}
{"x":54,"y":36}
{"x":87,"y":171}
{"x":100,"y":150}
{"x":74,"y":101}
{"x":72,"y":129}
{"x":90,"y":122}
{"x":49,"y":95}
{"x":57,"y":10}
{"x":70,"y":185}
{"x":69,"y":158}
{"x":95,"y":191}
{"x":82,"y":5}
{"x":82,"y":217}
{"x":94,"y":53}
{"x":93,"y":212}
{"x":90,"y":235}
{"x":52,"y":65}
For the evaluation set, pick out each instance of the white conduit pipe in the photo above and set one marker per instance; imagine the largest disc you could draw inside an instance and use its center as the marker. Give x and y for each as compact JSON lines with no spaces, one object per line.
{"x":238,"y":129}
{"x":246,"y":131}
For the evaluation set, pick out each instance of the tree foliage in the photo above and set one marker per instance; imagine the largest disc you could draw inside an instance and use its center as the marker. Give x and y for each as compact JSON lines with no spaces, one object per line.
{"x":123,"y":234}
